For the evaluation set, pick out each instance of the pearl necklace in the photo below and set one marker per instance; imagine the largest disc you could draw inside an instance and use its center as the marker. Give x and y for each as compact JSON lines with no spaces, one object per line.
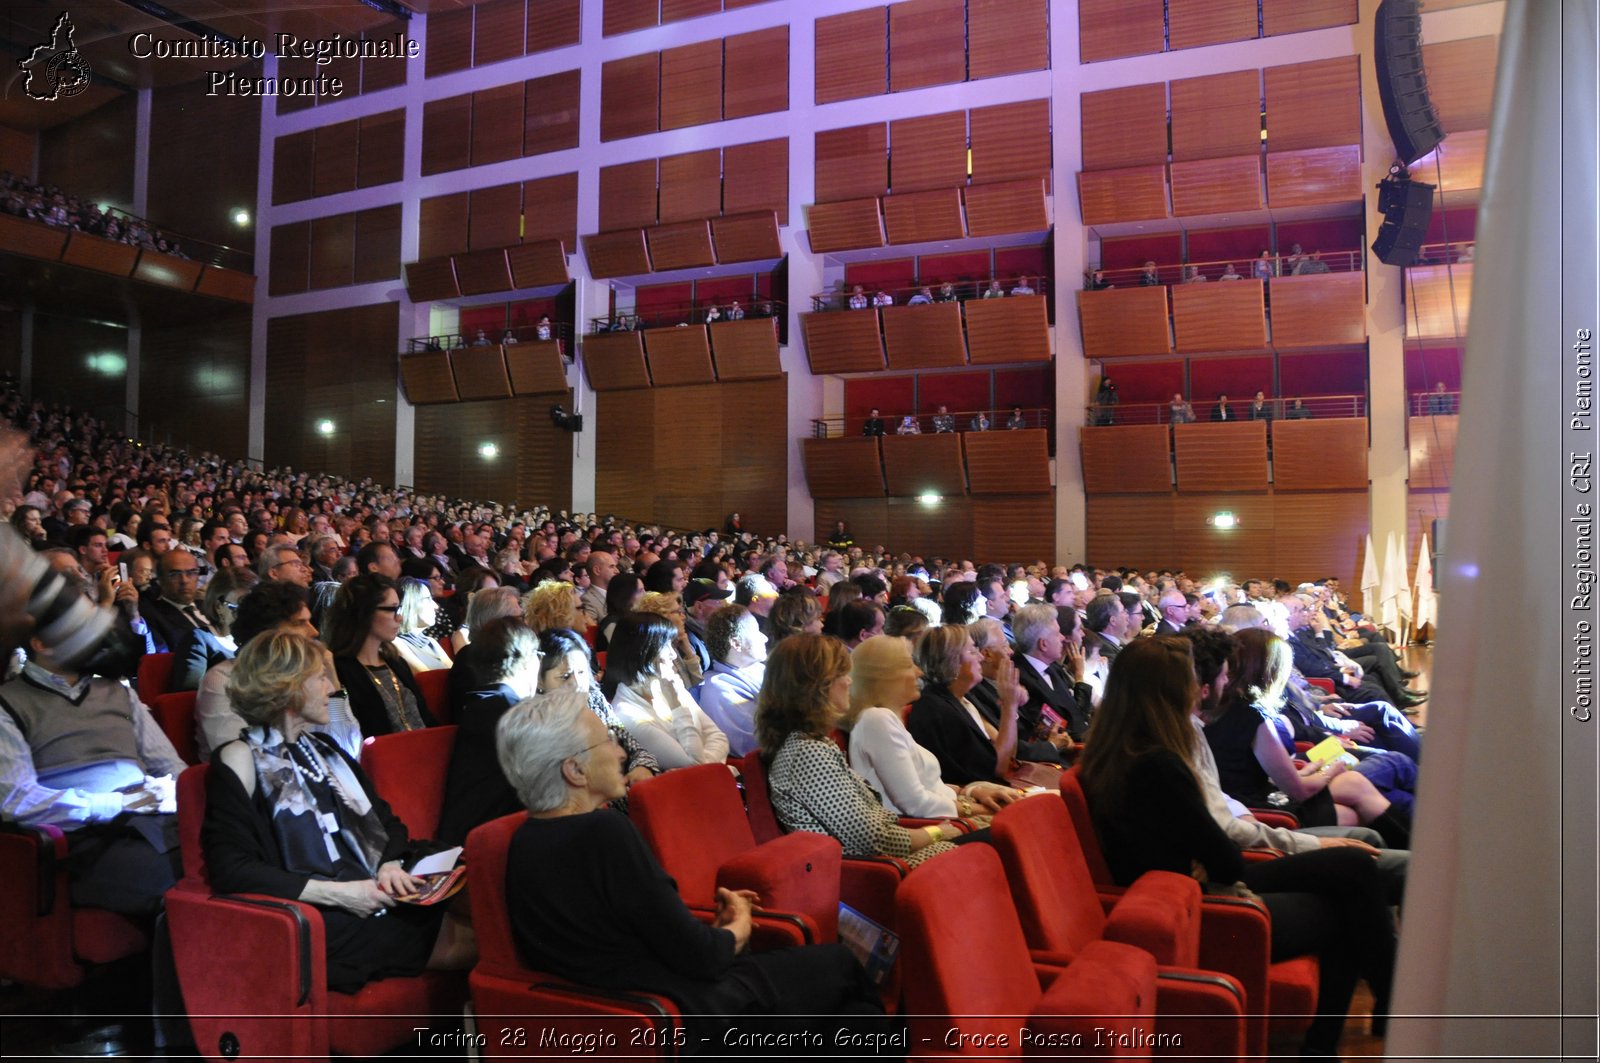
{"x":309,"y":763}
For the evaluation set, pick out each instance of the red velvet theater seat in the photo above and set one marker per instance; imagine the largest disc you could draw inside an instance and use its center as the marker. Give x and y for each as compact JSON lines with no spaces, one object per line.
{"x":175,"y":713}
{"x":408,"y":769}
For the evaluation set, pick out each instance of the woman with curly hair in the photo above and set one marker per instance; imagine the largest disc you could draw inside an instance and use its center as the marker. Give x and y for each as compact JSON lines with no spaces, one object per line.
{"x":794,"y":612}
{"x":552,"y":606}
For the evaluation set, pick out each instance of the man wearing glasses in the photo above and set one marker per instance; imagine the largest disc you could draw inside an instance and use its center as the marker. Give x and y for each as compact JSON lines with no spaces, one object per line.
{"x":168,"y":607}
{"x":285,"y":563}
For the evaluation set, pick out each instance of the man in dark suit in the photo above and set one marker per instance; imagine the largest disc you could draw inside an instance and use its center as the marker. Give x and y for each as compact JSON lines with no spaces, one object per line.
{"x":1222,"y":411}
{"x":168,"y":607}
{"x":873,"y":425}
{"x":1104,"y":621}
{"x":1174,"y":612}
{"x":1316,"y":658}
{"x":1053,"y":696}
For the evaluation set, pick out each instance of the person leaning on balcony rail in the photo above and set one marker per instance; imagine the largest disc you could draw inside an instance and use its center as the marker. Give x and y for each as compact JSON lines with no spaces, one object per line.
{"x":882,"y":298}
{"x":1148,"y":277}
{"x":943,"y":421}
{"x":1016,"y":420}
{"x":909,"y":426}
{"x":994,"y":291}
{"x":1192,"y":275}
{"x":1230,"y":274}
{"x":873,"y":425}
{"x":979,"y":422}
{"x":924,"y":295}
{"x":542,"y":330}
{"x":1098,"y":282}
{"x":1179,"y":411}
{"x":1023,"y":286}
{"x":1297,"y":411}
{"x":858,"y":299}
{"x":1262,"y":268}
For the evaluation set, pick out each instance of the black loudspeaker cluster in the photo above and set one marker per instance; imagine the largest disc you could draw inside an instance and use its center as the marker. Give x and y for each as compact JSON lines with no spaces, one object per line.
{"x":1407,"y":207}
{"x":1402,"y":81}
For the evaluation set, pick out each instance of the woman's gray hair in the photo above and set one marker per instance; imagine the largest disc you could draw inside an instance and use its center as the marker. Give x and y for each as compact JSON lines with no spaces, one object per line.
{"x":534,"y":737}
{"x":492,"y":603}
{"x":986,"y":632}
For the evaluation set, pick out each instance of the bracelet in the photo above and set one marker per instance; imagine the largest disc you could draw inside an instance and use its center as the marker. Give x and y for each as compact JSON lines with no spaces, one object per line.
{"x":936,"y":833}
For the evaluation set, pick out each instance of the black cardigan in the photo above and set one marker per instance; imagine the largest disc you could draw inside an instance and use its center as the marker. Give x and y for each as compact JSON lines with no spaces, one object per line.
{"x":1161,"y":823}
{"x":943,"y":727}
{"x":367,"y":704}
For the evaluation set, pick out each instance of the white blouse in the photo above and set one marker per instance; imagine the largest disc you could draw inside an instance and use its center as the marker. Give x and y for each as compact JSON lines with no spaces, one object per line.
{"x":903,"y":773}
{"x":670,"y":724}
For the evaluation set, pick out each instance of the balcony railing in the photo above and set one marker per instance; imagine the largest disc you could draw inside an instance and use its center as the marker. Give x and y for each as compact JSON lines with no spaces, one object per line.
{"x":1306,"y":408}
{"x":1264,"y":268}
{"x":673,"y":316}
{"x":449,"y":341}
{"x":895,"y":423}
{"x":1429,"y":403}
{"x":861,"y":297}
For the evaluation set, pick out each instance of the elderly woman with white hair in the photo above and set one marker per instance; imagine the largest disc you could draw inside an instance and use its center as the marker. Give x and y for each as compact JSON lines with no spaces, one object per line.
{"x":589,"y":902}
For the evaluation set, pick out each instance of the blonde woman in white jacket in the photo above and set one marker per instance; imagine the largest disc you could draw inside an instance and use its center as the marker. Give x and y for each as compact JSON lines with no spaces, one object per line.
{"x":649,"y":698}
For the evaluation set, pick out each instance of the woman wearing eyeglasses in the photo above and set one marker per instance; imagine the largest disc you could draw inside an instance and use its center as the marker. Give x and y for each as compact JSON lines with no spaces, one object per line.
{"x":360,"y":628}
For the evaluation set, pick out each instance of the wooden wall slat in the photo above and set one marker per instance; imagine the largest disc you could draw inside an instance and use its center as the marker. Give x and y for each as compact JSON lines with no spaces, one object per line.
{"x":1219,"y":317}
{"x":1460,"y":162}
{"x":449,"y":42}
{"x":535,"y":459}
{"x":1319,"y":310}
{"x":482,"y":272}
{"x":678,"y":356}
{"x":550,"y":113}
{"x":480,"y":373}
{"x":550,"y":209}
{"x":927,"y":336}
{"x":1216,"y":116}
{"x":681,"y":245}
{"x":378,"y":73}
{"x":618,"y":254}
{"x":842,"y":341}
{"x":1197,"y":23}
{"x":536,"y":368}
{"x":442,"y":229}
{"x":1216,"y":186}
{"x":1019,"y":528}
{"x":1009,"y":462}
{"x":623,"y":419}
{"x":1126,"y":459}
{"x":691,"y":185}
{"x":1440,"y":300}
{"x":1221,"y":457}
{"x":678,"y":10}
{"x":1314,"y":176}
{"x":1314,"y":105}
{"x":1461,"y":77}
{"x":852,"y":55}
{"x":382,"y":149}
{"x":756,"y":73}
{"x":623,"y":16}
{"x":691,"y":85}
{"x":615,"y":361}
{"x":1013,"y":329}
{"x":494,"y":216}
{"x":1137,"y":193}
{"x":288,"y":272}
{"x":334,"y":169}
{"x":746,"y":238}
{"x":1007,"y":37}
{"x":1320,"y":455}
{"x":1297,"y":16}
{"x":224,"y":284}
{"x":538,"y":265}
{"x":446,"y":134}
{"x":867,"y":518}
{"x":755,"y":177}
{"x":169,"y":271}
{"x":292,"y":166}
{"x":553,"y":24}
{"x":927,"y":43}
{"x":1124,"y":127}
{"x":429,"y":279}
{"x":922,"y":217}
{"x":1011,"y":141}
{"x":333,"y":251}
{"x":498,"y":30}
{"x":915,"y":465}
{"x":427,"y":378}
{"x":1016,"y":207}
{"x":630,"y":96}
{"x":99,"y":254}
{"x":746,"y":350}
{"x":845,"y":226}
{"x":843,"y":468}
{"x":1124,"y":322}
{"x":377,"y":244}
{"x":945,"y":528}
{"x":1423,"y":507}
{"x":928,"y":151}
{"x":1110,"y":29}
{"x":852,"y":163}
{"x":628,"y":195}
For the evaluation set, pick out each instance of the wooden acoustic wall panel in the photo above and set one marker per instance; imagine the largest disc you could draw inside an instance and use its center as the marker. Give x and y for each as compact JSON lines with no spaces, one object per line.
{"x":625,"y":426}
{"x":926,"y":464}
{"x":1240,"y":549}
{"x":1461,"y":81}
{"x":756,"y":73}
{"x":755,"y":470}
{"x":449,"y":42}
{"x":630,"y":96}
{"x":550,"y":113}
{"x":1219,"y":317}
{"x":1321,"y":455}
{"x":1007,"y":37}
{"x":852,"y":55}
{"x":550,"y":209}
{"x":446,"y":134}
{"x":1135,"y":193}
{"x":867,"y":518}
{"x":289,"y":270}
{"x":227,"y":284}
{"x":1110,"y":29}
{"x":1422,"y":509}
{"x":691,"y":85}
{"x":1011,"y":140}
{"x":945,"y":528}
{"x":1314,"y":176}
{"x":1460,"y":159}
{"x":481,"y":272}
{"x":928,"y":151}
{"x":494,"y":216}
{"x":746,"y":238}
{"x":293,"y":158}
{"x":1314,"y":105}
{"x":756,"y":177}
{"x":1015,"y":207}
{"x":377,"y":244}
{"x":619,"y":254}
{"x":480,"y":373}
{"x":1135,"y":528}
{"x":1317,"y":534}
{"x":1013,"y":528}
{"x":1221,"y":457}
{"x":104,"y":256}
{"x":498,"y":30}
{"x":1134,"y":458}
{"x":852,"y":163}
{"x":624,"y":16}
{"x":678,"y":10}
{"x":1124,"y":322}
{"x":1124,"y":127}
{"x":553,"y":24}
{"x":922,"y":217}
{"x":746,"y":350}
{"x":680,"y":246}
{"x":427,"y":378}
{"x":442,"y":228}
{"x":844,"y":468}
{"x":539,"y":265}
{"x":432,"y":278}
{"x":678,"y":356}
{"x":1216,"y":186}
{"x":842,"y":341}
{"x":333,"y":252}
{"x":1013,"y":329}
{"x":534,"y":459}
{"x":926,"y":336}
{"x":1433,"y":449}
{"x":844,"y":226}
{"x":1008,"y":463}
{"x":497,"y":124}
{"x":1197,"y":23}
{"x":33,"y":239}
{"x":170,"y":271}
{"x":382,"y":148}
{"x":927,"y":43}
{"x":1217,"y":116}
{"x":1297,"y":16}
{"x":615,"y":361}
{"x":1320,"y":310}
{"x":1439,"y":300}
{"x":691,"y":185}
{"x":536,"y":367}
{"x":628,"y":195}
